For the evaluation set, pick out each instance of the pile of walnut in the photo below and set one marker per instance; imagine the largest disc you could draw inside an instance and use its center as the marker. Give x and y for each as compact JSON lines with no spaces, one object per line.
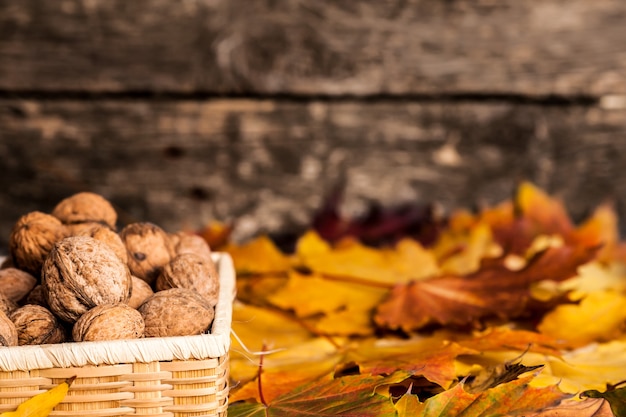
{"x":72,"y":277}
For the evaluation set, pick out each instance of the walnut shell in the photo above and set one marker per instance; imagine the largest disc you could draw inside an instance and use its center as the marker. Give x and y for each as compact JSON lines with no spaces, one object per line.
{"x":7,"y":305}
{"x":85,"y":207}
{"x":149,"y":249}
{"x":108,"y":322}
{"x":192,"y":271}
{"x":81,"y":273}
{"x":190,"y":243}
{"x":101,"y":232}
{"x":16,"y":284}
{"x":176,"y":312}
{"x":36,"y":325}
{"x":36,"y":296}
{"x":140,"y":292}
{"x":8,"y":331}
{"x":31,"y":240}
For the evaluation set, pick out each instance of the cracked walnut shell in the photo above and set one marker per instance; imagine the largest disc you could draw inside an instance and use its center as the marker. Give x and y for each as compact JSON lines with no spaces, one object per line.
{"x":192,"y":271}
{"x":85,"y":207}
{"x":176,"y":312}
{"x":81,"y":273}
{"x":36,"y":325}
{"x":31,"y":240}
{"x":149,"y":249}
{"x":108,"y":322}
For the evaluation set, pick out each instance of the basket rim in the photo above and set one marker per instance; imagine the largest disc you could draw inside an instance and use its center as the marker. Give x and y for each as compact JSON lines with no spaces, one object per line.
{"x":145,"y":350}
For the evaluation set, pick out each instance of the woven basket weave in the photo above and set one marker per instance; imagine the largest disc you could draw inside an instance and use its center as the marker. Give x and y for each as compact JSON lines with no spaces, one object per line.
{"x":167,"y":376}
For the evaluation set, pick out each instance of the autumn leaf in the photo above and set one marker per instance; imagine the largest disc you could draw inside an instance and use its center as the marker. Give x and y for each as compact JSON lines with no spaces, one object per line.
{"x":615,"y":396}
{"x":489,"y":296}
{"x":599,"y":317}
{"x":506,"y":339}
{"x":351,"y":395}
{"x":346,"y":307}
{"x":573,"y":407}
{"x":407,"y":260}
{"x":433,"y":358}
{"x":465,"y":300}
{"x":282,"y":371}
{"x":505,"y":399}
{"x":461,"y":248}
{"x":259,"y":256}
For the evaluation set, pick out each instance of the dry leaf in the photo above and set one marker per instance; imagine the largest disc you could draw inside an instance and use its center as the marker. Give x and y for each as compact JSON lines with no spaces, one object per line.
{"x":491,"y":291}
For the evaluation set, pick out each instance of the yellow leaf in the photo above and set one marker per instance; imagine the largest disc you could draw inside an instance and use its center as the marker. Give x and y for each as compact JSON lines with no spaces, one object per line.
{"x":41,"y":404}
{"x":259,"y":256}
{"x":260,"y":329}
{"x":460,"y":251}
{"x":598,"y":317}
{"x":408,"y":260}
{"x":592,"y":366}
{"x":346,"y":307}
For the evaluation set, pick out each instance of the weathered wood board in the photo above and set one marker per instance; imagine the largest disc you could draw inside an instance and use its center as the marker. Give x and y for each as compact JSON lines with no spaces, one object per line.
{"x":269,"y":163}
{"x":572,"y":48}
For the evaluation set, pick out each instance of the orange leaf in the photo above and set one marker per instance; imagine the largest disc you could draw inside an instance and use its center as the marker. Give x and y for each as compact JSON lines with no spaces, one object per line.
{"x":432,"y":358}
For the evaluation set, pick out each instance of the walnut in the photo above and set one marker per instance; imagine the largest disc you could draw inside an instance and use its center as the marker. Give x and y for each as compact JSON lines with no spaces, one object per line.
{"x":8,"y":331}
{"x":176,"y":312}
{"x":16,"y":284}
{"x":192,"y":271}
{"x":190,"y":243}
{"x":36,"y":325}
{"x":108,"y":322}
{"x":149,"y":249}
{"x":31,"y":239}
{"x":7,"y":305}
{"x":140,"y":292}
{"x":81,"y":273}
{"x":85,"y":207}
{"x":101,"y":232}
{"x":36,"y":296}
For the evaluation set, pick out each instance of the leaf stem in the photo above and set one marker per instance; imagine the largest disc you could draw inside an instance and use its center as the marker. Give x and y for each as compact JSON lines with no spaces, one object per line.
{"x":259,"y":379}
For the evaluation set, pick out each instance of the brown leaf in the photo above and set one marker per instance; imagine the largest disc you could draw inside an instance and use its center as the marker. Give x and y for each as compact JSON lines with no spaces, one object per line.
{"x":465,"y":300}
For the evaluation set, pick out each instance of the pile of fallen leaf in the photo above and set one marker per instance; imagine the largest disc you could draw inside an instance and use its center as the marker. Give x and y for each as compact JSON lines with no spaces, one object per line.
{"x":512,"y":310}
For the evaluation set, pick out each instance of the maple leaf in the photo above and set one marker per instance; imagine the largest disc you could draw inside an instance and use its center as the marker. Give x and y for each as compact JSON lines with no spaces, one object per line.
{"x":407,"y":260}
{"x":599,"y":317}
{"x":511,"y":398}
{"x":506,"y":339}
{"x":491,"y":291}
{"x":433,"y":358}
{"x":461,"y":247}
{"x":259,"y":256}
{"x":345,"y":307}
{"x":280,"y":372}
{"x":615,"y":396}
{"x":573,"y":407}
{"x":351,"y":395}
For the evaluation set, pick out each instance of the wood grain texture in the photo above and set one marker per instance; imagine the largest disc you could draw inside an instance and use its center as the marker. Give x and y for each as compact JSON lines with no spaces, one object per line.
{"x":269,"y":163}
{"x":316,"y":47}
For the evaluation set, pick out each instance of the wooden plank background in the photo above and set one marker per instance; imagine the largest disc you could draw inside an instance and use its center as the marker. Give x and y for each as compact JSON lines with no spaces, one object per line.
{"x":184,"y":112}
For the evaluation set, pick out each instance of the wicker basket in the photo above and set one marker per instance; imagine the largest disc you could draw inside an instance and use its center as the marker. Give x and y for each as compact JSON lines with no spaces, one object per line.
{"x":166,"y":376}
